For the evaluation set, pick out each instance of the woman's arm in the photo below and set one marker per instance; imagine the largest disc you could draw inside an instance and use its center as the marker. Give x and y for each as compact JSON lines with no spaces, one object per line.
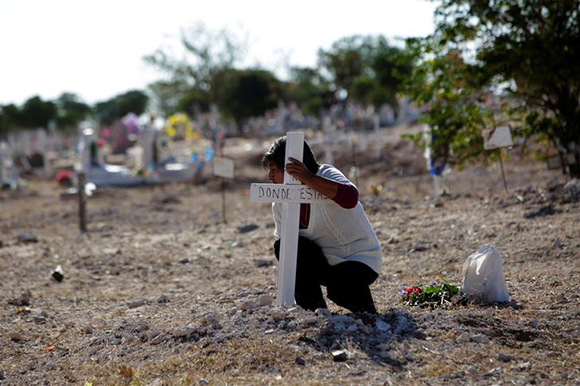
{"x":346,"y":195}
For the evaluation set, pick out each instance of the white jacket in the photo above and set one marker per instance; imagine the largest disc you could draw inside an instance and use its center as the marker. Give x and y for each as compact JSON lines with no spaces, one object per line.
{"x":342,"y":234}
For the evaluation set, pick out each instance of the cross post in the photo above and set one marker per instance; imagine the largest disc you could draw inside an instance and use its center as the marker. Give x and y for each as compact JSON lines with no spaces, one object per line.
{"x":291,"y":194}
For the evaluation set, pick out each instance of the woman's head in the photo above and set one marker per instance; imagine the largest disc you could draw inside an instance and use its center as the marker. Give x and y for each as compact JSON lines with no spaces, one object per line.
{"x":277,"y":151}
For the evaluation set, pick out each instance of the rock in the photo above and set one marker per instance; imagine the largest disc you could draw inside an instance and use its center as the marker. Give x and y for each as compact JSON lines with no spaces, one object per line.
{"x":265,"y":300}
{"x":291,"y":325}
{"x":184,"y":261}
{"x":533,"y":323}
{"x":23,"y":300}
{"x":308,"y":322}
{"x":184,"y":331}
{"x":323,"y":312}
{"x":464,"y":337}
{"x":2,"y":375}
{"x":262,"y":263}
{"x":247,"y":228}
{"x":505,"y":357}
{"x":480,"y":338}
{"x":162,"y":299}
{"x":27,"y":238}
{"x":299,"y":361}
{"x":420,"y":248}
{"x":40,"y":318}
{"x":16,"y":336}
{"x":494,"y":372}
{"x":352,"y":328}
{"x":135,"y":303}
{"x":248,"y":306}
{"x":382,"y":326}
{"x":340,"y":355}
{"x":50,"y":365}
{"x":58,"y":274}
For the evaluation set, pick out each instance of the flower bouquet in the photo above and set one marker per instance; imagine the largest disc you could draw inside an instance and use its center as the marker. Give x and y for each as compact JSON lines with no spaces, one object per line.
{"x":434,"y":295}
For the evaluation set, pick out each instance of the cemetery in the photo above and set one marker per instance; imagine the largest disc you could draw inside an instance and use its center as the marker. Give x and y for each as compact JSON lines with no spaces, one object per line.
{"x":404,"y":210}
{"x":168,"y":285}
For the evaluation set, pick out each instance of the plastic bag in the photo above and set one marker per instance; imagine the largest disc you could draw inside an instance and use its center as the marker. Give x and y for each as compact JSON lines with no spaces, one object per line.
{"x":483,"y":276}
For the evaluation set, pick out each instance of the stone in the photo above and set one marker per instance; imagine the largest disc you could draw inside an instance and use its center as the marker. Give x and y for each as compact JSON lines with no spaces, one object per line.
{"x":162,"y":299}
{"x":265,"y":300}
{"x":2,"y":375}
{"x":352,"y":328}
{"x":505,"y":357}
{"x":323,"y":312}
{"x":16,"y":336}
{"x":58,"y":274}
{"x":307,"y":322}
{"x":464,"y":337}
{"x":247,"y":228}
{"x":40,"y":318}
{"x":480,"y":338}
{"x":135,"y":303}
{"x":248,"y":306}
{"x":382,"y":326}
{"x":27,"y":238}
{"x":184,"y":331}
{"x":299,"y":361}
{"x":262,"y":263}
{"x":339,"y":355}
{"x":494,"y":372}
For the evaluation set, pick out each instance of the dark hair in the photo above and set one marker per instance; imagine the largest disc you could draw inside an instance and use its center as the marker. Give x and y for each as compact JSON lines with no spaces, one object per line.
{"x":277,"y":151}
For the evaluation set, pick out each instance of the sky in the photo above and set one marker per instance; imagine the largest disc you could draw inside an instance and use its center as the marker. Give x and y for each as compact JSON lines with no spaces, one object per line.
{"x":95,"y":48}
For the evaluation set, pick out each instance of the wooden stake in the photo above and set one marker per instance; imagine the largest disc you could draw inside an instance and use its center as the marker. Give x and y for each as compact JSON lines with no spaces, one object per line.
{"x":82,"y":202}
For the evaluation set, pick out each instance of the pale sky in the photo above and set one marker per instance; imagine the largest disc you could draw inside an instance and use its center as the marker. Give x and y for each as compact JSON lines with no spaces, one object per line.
{"x":95,"y":48}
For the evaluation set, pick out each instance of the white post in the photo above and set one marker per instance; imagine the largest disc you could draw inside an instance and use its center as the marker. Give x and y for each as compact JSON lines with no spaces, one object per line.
{"x":290,"y":227}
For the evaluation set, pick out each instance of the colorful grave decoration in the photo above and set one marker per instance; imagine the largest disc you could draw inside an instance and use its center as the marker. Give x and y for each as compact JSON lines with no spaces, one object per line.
{"x":179,"y":126}
{"x":433,"y":295}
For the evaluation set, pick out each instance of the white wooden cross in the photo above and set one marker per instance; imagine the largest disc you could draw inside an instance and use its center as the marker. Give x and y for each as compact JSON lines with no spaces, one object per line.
{"x":291,"y":194}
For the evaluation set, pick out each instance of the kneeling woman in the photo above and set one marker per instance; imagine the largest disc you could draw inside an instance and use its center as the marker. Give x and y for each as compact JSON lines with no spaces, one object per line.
{"x":337,"y":246}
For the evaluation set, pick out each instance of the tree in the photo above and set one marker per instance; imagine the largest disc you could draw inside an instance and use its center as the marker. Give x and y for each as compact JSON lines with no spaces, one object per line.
{"x":368,"y":68}
{"x":134,"y":101}
{"x":36,"y":113}
{"x":10,"y":118}
{"x":71,"y":111}
{"x":442,"y":83}
{"x":241,"y":94}
{"x":308,"y":89}
{"x":527,"y":51}
{"x":206,"y":53}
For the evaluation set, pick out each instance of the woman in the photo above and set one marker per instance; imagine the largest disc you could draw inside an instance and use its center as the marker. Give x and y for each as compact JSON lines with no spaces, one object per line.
{"x":337,"y":246}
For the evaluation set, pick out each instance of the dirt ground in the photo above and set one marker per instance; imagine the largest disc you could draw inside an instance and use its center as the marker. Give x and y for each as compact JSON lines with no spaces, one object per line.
{"x":160,"y":291}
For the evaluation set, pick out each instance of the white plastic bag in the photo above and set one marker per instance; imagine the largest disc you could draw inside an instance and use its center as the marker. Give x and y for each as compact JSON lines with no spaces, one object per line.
{"x":483,"y":276}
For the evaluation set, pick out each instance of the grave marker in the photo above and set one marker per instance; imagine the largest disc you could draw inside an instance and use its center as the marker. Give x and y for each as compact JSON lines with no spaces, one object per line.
{"x":290,"y":194}
{"x":223,"y":167}
{"x":498,"y":138}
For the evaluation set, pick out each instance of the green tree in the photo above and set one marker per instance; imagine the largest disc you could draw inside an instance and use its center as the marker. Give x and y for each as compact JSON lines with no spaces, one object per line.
{"x":241,"y":94}
{"x":206,"y":53}
{"x":527,"y":51}
{"x":308,"y":89}
{"x":10,"y":118}
{"x":36,"y":113}
{"x":368,"y":68}
{"x":134,"y":101}
{"x":71,"y":111}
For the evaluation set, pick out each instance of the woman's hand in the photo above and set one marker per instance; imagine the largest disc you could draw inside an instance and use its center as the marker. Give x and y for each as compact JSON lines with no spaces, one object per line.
{"x":298,"y":170}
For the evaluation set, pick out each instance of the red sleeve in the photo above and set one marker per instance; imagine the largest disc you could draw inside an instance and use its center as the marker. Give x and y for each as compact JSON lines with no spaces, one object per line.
{"x":346,"y":196}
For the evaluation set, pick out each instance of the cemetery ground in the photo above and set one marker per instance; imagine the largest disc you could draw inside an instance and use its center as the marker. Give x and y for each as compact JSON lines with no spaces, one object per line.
{"x":160,"y":291}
